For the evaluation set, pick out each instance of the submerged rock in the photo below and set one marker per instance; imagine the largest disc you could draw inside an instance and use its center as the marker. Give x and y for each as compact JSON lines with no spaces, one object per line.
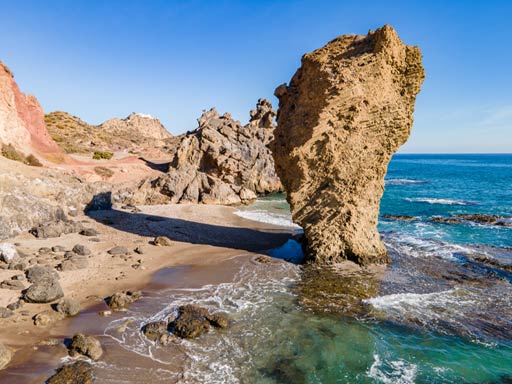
{"x":46,"y":318}
{"x":398,"y":217}
{"x":346,"y":111}
{"x":192,"y":321}
{"x":154,"y":330}
{"x":85,"y":345}
{"x":79,"y":372}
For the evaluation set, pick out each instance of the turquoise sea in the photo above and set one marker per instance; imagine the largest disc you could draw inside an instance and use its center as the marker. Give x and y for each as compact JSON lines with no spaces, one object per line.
{"x":440,"y":313}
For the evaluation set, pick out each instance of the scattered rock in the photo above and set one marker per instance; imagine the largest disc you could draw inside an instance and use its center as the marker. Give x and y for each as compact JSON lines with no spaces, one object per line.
{"x":18,"y":265}
{"x":162,"y":241}
{"x":81,"y":250}
{"x":118,"y":250}
{"x":58,"y":248}
{"x":56,"y":229}
{"x":121,"y":300}
{"x":74,"y":262}
{"x":89,"y":232}
{"x":68,"y":307}
{"x":481,"y":218}
{"x":46,"y":318}
{"x":344,"y":114}
{"x":38,"y":272}
{"x":18,"y":277}
{"x":139,"y":250}
{"x":105,"y":313}
{"x":17,"y":305}
{"x":44,"y":250}
{"x":5,"y":313}
{"x":5,"y":356}
{"x":79,"y":372}
{"x":45,"y":290}
{"x":12,"y":284}
{"x":86,"y":346}
{"x":8,"y":253}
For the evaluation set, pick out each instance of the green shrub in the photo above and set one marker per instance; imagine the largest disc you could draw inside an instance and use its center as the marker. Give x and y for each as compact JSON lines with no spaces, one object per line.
{"x":9,"y":152}
{"x":104,"y":172}
{"x":102,"y":155}
{"x":33,"y":161}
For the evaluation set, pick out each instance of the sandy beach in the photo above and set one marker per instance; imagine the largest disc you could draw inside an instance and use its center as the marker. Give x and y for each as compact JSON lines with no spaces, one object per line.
{"x":201,"y":236}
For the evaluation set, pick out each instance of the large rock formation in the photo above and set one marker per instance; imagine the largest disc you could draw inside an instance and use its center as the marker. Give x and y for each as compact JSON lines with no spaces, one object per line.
{"x":137,"y":133}
{"x":346,"y":111}
{"x":22,"y":119}
{"x":221,"y":162}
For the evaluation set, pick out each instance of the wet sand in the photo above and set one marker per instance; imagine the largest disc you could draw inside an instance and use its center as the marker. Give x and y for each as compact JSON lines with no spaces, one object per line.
{"x":206,"y":240}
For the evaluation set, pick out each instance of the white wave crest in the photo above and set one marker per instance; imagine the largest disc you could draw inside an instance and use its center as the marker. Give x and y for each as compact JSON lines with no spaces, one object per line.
{"x":394,"y":372}
{"x":403,"y":182}
{"x":438,"y":201}
{"x":264,"y":216}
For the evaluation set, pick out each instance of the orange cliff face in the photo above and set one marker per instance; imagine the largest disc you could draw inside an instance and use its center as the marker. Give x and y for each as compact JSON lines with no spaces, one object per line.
{"x":22,"y":121}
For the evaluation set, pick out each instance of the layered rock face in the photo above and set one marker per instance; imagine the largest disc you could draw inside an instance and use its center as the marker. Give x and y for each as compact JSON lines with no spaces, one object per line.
{"x":137,"y":133}
{"x":221,"y":162}
{"x":346,"y":111}
{"x":22,"y":119}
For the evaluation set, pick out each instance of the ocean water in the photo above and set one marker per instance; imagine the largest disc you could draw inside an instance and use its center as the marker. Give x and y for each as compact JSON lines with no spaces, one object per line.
{"x":440,"y":313}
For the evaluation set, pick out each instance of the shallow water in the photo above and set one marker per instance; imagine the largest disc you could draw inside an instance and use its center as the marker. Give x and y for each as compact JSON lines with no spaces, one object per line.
{"x":442,"y":312}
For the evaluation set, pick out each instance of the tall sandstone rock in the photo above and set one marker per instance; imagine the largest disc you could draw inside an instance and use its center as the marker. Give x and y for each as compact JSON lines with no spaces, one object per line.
{"x":346,"y":111}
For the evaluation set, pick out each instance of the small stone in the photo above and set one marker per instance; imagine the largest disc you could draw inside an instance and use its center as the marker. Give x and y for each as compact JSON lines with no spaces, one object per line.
{"x":8,"y":253}
{"x":162,"y":241}
{"x":58,"y":248}
{"x":120,"y":300}
{"x":44,"y":250}
{"x":153,"y":330}
{"x":17,"y":305}
{"x":85,"y":345}
{"x":105,"y":313}
{"x":37,"y":273}
{"x":12,"y":284}
{"x":18,"y":277}
{"x":139,"y":250}
{"x":18,"y":265}
{"x":5,"y":313}
{"x":44,"y":291}
{"x":81,"y":250}
{"x":118,"y":250}
{"x":89,"y":232}
{"x":68,"y":307}
{"x":47,"y":317}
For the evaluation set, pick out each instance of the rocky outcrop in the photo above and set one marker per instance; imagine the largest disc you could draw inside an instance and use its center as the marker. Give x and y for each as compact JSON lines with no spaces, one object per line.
{"x":221,"y":162}
{"x":346,"y":111}
{"x":22,"y":119}
{"x":137,"y":133}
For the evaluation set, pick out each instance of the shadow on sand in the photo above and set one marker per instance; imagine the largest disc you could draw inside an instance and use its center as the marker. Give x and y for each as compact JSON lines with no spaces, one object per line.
{"x":142,"y":224}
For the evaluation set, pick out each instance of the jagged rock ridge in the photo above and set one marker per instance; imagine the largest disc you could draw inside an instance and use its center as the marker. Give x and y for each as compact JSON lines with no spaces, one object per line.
{"x":346,"y":111}
{"x":221,"y":162}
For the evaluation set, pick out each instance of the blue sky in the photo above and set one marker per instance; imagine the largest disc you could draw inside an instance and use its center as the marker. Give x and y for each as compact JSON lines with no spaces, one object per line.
{"x":172,"y":59}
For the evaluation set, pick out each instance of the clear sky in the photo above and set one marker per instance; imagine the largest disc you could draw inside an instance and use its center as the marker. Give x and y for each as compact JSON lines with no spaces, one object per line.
{"x":172,"y":59}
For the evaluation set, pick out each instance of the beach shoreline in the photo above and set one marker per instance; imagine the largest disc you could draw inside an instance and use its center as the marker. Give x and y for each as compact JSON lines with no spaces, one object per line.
{"x":107,"y":274}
